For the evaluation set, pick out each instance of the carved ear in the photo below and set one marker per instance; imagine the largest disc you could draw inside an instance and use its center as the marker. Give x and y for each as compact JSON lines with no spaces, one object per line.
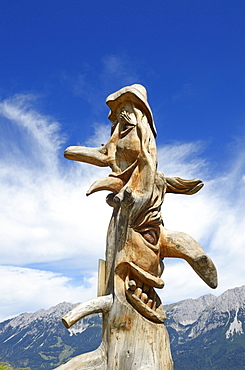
{"x":181,"y":186}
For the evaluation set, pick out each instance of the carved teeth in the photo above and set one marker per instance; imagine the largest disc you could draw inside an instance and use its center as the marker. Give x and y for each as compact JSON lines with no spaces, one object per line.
{"x":144,"y":297}
{"x":142,"y":291}
{"x":150,"y":303}
{"x":154,"y":305}
{"x":138,"y":292}
{"x":132,"y":285}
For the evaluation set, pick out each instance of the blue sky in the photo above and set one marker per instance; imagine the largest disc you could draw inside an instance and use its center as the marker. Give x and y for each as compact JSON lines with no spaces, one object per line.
{"x":59,"y":61}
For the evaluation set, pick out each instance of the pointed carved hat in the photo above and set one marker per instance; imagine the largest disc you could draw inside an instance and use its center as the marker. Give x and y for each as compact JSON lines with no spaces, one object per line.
{"x":138,"y":94}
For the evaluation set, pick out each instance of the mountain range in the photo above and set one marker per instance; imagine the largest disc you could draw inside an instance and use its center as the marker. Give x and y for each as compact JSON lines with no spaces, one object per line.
{"x":205,"y":333}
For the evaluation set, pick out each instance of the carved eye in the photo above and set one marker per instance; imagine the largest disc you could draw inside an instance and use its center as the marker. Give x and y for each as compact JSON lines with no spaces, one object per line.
{"x":126,"y":125}
{"x":150,"y":236}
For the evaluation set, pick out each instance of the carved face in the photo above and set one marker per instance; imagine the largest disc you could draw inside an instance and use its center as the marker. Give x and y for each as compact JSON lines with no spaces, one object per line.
{"x":126,"y":118}
{"x":140,"y":268}
{"x":128,"y":146}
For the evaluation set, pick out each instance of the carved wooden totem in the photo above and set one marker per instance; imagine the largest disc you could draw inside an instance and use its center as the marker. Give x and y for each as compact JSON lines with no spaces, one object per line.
{"x":134,"y":335}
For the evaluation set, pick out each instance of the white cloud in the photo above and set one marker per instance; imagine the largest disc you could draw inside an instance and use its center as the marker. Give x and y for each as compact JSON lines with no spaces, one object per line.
{"x":29,"y":290}
{"x":101,"y":134}
{"x":45,"y":215}
{"x":93,"y":86}
{"x":44,"y":138}
{"x":46,"y":219}
{"x":182,"y":159}
{"x":214,"y":217}
{"x":119,"y":67}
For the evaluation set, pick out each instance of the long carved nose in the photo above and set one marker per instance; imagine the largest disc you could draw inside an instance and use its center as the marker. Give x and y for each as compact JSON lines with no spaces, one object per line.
{"x":87,"y":155}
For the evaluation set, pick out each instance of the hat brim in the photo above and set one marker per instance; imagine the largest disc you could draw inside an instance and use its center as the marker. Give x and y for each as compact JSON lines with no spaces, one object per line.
{"x":129,"y":93}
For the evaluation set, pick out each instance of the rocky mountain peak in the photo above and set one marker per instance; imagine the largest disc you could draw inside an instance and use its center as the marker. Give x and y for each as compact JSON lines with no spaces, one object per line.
{"x":203,"y":331}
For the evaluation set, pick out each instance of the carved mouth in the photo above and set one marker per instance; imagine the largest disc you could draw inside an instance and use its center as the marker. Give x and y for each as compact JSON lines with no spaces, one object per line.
{"x":141,"y":294}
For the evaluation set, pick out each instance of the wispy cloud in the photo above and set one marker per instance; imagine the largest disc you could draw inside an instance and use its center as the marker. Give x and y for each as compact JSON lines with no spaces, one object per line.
{"x":93,"y":86}
{"x":214,"y":217}
{"x":38,"y":136}
{"x":182,"y":159}
{"x":119,"y":67}
{"x":32,"y":290}
{"x":47,"y":221}
{"x":38,"y":196}
{"x":45,"y":216}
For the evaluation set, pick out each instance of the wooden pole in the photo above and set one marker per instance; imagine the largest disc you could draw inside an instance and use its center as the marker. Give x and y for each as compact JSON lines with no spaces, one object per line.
{"x":133,"y":332}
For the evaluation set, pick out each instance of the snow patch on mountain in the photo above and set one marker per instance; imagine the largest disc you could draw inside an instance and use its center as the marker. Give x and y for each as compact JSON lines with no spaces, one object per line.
{"x":235,"y":327}
{"x":186,"y":312}
{"x":206,"y":326}
{"x":199,"y":316}
{"x":78,"y":328}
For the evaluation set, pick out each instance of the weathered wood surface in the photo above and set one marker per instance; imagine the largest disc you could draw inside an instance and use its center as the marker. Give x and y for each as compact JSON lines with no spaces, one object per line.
{"x":133,"y":333}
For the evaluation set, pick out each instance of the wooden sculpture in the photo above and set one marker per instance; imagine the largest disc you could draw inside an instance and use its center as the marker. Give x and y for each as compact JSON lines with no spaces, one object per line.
{"x":133,"y":334}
